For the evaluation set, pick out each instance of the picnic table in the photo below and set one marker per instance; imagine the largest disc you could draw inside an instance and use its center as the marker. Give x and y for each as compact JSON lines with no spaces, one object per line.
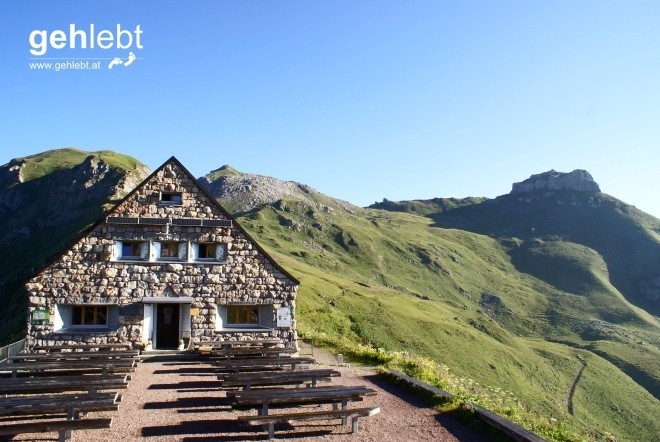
{"x":247,"y":380}
{"x":261,"y":363}
{"x":264,"y":398}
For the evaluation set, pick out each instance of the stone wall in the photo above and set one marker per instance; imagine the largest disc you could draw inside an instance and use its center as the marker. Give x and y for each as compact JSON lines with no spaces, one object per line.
{"x":87,"y":273}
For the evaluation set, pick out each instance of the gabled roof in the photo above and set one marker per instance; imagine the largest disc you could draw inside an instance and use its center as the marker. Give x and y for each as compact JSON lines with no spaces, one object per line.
{"x":203,"y":189}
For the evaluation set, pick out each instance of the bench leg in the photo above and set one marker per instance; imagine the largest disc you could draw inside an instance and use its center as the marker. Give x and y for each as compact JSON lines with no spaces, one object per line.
{"x":344,"y":406}
{"x":271,"y":431}
{"x":355,"y":424}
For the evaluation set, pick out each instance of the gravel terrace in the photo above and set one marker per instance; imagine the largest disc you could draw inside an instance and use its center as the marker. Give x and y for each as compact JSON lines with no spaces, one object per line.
{"x":182,"y":401}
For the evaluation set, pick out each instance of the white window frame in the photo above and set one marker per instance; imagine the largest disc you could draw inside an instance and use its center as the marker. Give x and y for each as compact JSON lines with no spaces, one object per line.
{"x":266,"y":313}
{"x":118,"y":254}
{"x":182,"y":251}
{"x":63,"y":318}
{"x":172,"y":201}
{"x":220,"y":252}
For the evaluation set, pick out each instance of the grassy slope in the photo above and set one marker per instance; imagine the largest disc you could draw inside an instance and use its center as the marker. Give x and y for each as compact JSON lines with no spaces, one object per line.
{"x":43,"y":174}
{"x":367,"y":276}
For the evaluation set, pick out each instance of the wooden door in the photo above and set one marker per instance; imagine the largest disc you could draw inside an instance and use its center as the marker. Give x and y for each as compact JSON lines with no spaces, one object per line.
{"x":167,"y":325}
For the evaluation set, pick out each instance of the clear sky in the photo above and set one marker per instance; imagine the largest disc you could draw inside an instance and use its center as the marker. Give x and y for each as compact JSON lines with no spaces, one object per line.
{"x":360,"y":99}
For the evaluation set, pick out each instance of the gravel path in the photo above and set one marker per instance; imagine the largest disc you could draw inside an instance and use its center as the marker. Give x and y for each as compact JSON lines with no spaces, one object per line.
{"x":181,"y":401}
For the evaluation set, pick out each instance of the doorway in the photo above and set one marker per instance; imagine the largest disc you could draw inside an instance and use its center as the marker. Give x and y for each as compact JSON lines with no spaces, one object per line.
{"x":167,"y":326}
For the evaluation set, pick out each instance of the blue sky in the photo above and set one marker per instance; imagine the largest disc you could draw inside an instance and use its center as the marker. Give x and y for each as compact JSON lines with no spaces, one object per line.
{"x":362,"y":100}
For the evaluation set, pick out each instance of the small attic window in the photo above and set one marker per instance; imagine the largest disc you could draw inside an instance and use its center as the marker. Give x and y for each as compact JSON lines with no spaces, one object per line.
{"x":171,"y":198}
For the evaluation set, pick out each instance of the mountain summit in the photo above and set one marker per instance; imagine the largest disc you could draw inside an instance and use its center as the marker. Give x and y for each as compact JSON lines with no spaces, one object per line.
{"x":579,"y":181}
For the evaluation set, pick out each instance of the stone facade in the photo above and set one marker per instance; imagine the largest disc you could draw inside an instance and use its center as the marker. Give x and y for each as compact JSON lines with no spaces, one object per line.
{"x":130,"y":294}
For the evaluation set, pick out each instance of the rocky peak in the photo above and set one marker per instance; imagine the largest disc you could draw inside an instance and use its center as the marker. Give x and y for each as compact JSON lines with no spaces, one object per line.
{"x":579,"y":181}
{"x":241,"y":192}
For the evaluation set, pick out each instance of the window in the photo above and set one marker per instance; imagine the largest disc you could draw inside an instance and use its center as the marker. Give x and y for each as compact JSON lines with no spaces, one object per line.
{"x":210,"y":251}
{"x":86,"y":318}
{"x":89,"y":315}
{"x":132,"y":250}
{"x":242,"y":315}
{"x":171,"y":250}
{"x":171,"y":198}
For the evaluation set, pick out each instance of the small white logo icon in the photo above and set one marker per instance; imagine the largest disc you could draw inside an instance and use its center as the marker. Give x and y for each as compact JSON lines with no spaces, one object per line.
{"x":118,"y":61}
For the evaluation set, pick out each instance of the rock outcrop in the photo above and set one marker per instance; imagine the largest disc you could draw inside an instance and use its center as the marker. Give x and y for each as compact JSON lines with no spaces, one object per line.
{"x":241,"y":192}
{"x":579,"y":181}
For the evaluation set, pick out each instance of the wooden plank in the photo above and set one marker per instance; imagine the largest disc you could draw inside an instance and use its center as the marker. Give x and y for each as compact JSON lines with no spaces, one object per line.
{"x":81,"y":347}
{"x":262,"y":362}
{"x":63,"y":369}
{"x":248,"y":352}
{"x":248,"y":380}
{"x":78,"y":355}
{"x":318,"y":395}
{"x":75,"y":384}
{"x":270,"y":420}
{"x":55,"y":425}
{"x":61,"y":398}
{"x":506,"y":426}
{"x":63,"y":379}
{"x":326,"y":372}
{"x":308,"y":416}
{"x":422,"y":385}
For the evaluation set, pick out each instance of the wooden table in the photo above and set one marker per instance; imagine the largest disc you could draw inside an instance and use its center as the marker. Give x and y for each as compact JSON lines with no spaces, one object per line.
{"x":39,"y":411}
{"x":251,"y":352}
{"x":81,"y":347}
{"x":261,"y":363}
{"x":254,"y":343}
{"x":298,"y":377}
{"x":59,"y":368}
{"x":297,"y":396}
{"x":40,"y":385}
{"x":76,"y":355}
{"x":71,"y":404}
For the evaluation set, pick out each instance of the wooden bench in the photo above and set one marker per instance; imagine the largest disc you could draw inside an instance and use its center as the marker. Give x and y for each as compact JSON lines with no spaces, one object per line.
{"x":81,"y":347}
{"x":53,"y":385}
{"x":76,"y":356}
{"x":207,"y":346}
{"x":256,"y":363}
{"x":237,"y":353}
{"x":298,"y":377}
{"x":70,"y":405}
{"x":337,"y":394}
{"x":64,"y":427}
{"x":50,"y":368}
{"x":354,"y":414}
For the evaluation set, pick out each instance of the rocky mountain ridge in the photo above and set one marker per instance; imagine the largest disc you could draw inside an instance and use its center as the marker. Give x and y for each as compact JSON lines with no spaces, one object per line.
{"x":578,"y":181}
{"x":242,"y":192}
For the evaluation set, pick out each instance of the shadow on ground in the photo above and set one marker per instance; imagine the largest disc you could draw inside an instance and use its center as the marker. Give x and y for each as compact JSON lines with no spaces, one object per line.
{"x":456,"y":425}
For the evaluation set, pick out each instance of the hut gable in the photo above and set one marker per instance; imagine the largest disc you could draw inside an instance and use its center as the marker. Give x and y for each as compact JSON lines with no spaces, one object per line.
{"x":168,"y":265}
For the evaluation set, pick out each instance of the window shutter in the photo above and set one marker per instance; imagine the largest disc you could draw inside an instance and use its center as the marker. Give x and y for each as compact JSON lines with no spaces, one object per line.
{"x":183,"y":251}
{"x":155,"y":251}
{"x":195,"y":251}
{"x":220,"y":252}
{"x":144,"y":250}
{"x":117,"y":249}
